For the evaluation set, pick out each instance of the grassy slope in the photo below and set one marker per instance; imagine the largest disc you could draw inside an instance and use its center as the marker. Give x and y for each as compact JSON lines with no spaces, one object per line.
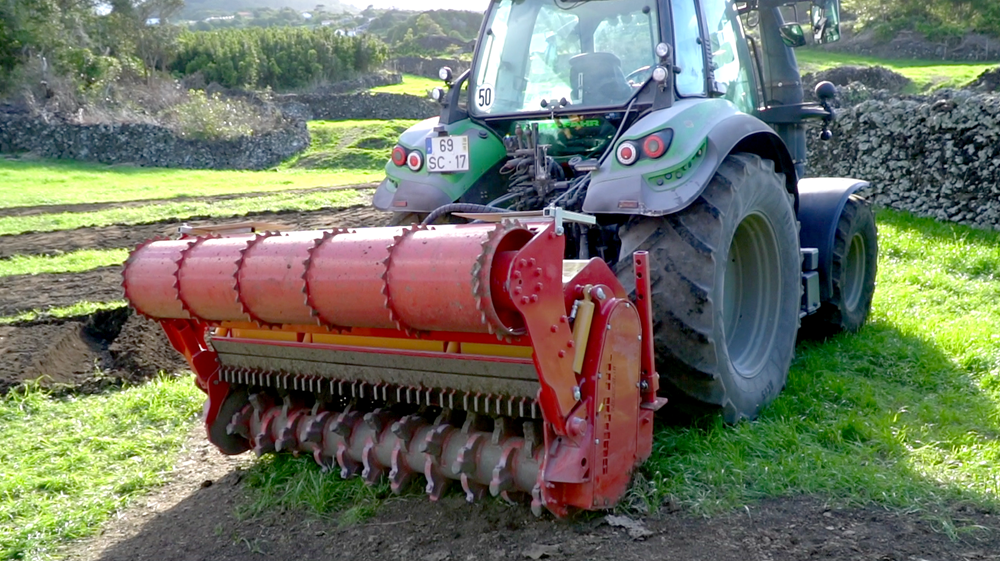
{"x":47,"y":182}
{"x":925,"y":74}
{"x":412,"y":85}
{"x":357,"y":145}
{"x":97,"y":452}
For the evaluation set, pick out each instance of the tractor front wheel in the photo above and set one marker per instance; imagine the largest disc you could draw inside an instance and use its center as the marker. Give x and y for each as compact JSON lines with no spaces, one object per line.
{"x":726,"y":287}
{"x":853,"y":269}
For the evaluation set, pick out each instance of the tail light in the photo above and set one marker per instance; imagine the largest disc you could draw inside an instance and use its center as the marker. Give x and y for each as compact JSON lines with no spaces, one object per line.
{"x":653,"y":146}
{"x":627,"y":153}
{"x":415,"y":161}
{"x":399,"y":156}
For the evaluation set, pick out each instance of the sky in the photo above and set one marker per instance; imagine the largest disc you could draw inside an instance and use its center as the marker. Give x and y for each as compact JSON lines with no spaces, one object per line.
{"x":473,"y":5}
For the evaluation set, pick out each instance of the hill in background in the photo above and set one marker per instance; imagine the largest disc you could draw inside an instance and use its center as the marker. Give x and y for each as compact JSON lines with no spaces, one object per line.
{"x":200,"y":9}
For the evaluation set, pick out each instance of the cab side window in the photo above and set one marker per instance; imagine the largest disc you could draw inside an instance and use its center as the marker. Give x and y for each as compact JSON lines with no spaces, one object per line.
{"x":689,"y":53}
{"x":731,"y":77}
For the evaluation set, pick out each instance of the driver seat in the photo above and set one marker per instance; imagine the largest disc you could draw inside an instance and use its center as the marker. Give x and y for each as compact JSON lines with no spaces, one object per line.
{"x":597,"y":79}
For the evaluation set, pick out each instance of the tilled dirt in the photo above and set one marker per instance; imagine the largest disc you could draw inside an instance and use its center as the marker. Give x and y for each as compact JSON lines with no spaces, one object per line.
{"x":85,"y":353}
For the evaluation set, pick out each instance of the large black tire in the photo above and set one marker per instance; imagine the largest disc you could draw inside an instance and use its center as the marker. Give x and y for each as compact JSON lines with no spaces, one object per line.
{"x":726,"y":287}
{"x":853,"y":271}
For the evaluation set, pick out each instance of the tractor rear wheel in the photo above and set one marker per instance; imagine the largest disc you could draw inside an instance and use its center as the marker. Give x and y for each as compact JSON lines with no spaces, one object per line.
{"x":726,"y":287}
{"x":853,"y":270}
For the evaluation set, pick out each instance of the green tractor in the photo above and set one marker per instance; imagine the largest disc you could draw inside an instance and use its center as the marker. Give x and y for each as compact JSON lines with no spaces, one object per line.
{"x":678,"y":127}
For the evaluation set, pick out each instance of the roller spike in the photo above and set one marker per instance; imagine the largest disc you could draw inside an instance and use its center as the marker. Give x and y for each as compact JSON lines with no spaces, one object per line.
{"x":244,"y":307}
{"x":372,"y":471}
{"x":310,"y":302}
{"x":473,"y":491}
{"x":387,"y":265}
{"x":128,"y":261}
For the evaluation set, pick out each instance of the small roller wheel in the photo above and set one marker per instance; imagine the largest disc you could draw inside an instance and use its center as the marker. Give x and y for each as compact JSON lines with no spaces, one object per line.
{"x":229,"y":444}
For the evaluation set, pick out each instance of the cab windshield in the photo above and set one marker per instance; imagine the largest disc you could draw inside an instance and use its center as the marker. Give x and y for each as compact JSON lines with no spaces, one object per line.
{"x":540,"y":55}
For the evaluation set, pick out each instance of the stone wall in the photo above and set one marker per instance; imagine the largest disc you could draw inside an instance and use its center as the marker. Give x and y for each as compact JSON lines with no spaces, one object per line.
{"x":936,"y":155}
{"x":146,"y":145}
{"x":362,"y":105}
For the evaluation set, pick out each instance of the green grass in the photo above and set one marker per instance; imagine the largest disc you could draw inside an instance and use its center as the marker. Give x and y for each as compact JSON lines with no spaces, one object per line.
{"x":67,"y":464}
{"x":75,"y":262}
{"x":81,"y":308}
{"x":179,"y":211}
{"x":905,"y":414}
{"x":359,"y":145}
{"x":926,"y":75}
{"x":282,"y":481}
{"x":412,"y":85}
{"x":50,"y":182}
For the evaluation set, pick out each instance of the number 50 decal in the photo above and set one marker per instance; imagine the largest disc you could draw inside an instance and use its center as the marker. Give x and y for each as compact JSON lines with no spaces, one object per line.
{"x":484,"y":97}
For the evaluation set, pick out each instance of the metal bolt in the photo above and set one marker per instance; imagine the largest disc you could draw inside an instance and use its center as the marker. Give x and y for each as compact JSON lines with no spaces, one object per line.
{"x":559,"y":231}
{"x":576,"y":393}
{"x":524,"y":299}
{"x":609,"y":327}
{"x":597,"y":441}
{"x":554,"y":328}
{"x":534,"y":298}
{"x":562,"y":354}
{"x":599,"y":293}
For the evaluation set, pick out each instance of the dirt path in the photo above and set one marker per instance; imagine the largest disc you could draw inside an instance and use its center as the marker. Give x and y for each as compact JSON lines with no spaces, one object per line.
{"x":23,"y":293}
{"x":191,"y":521}
{"x":118,"y":236}
{"x":91,"y":207}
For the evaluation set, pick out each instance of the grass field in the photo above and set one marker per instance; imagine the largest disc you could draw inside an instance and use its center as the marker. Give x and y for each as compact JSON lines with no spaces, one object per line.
{"x":178,"y":211}
{"x":29,"y":182}
{"x":925,"y":74}
{"x":68,"y":463}
{"x":905,"y":414}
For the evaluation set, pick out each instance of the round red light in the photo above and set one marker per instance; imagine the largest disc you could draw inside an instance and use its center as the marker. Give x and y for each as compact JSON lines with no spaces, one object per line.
{"x":653,"y":146}
{"x":414,"y":161}
{"x":398,"y":156}
{"x":627,"y":153}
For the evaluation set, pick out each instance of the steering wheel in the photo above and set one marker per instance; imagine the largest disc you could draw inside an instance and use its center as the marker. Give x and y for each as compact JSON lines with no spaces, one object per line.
{"x":639,"y":75}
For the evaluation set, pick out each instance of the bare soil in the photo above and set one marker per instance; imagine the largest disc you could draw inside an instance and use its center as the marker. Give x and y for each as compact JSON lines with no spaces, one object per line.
{"x":194,"y":517}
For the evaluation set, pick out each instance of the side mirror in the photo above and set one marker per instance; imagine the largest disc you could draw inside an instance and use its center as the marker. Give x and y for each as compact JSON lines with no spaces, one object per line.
{"x":792,"y":35}
{"x":825,"y":15}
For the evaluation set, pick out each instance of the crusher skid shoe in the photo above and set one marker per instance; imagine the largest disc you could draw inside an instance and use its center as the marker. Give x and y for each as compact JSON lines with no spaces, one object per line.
{"x":468,"y":353}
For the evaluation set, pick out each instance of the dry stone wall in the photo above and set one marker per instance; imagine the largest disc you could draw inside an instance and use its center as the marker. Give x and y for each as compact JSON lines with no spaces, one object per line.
{"x":361,"y":105}
{"x":936,"y":155}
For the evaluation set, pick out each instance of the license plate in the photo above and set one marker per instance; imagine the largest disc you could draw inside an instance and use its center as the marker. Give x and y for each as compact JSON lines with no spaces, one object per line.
{"x":447,"y":154}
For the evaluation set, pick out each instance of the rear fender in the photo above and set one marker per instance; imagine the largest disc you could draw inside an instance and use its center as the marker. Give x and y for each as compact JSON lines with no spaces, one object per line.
{"x":705,"y":131}
{"x":404,"y":190}
{"x":821,"y":200}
